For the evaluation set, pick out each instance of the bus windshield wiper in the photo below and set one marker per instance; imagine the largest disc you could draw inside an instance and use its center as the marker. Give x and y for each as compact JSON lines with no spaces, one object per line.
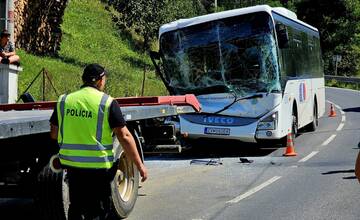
{"x":238,"y":99}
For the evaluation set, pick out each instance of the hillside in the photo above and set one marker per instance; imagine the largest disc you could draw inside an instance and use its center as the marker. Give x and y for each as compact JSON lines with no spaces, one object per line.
{"x":89,"y":35}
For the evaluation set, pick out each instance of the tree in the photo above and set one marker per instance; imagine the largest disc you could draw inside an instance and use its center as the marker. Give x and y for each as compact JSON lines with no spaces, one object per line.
{"x":146,"y":16}
{"x":338,"y":24}
{"x":140,"y":16}
{"x":232,"y":4}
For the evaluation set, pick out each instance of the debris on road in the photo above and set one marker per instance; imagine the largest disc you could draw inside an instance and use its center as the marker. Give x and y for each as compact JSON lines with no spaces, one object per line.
{"x":245,"y":160}
{"x":212,"y":162}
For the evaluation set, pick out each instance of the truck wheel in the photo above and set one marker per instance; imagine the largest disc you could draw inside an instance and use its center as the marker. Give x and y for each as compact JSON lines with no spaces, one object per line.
{"x":51,"y":197}
{"x":124,"y":187}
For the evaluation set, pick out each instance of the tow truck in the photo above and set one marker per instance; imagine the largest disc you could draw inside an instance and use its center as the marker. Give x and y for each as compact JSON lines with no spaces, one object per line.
{"x":26,"y":149}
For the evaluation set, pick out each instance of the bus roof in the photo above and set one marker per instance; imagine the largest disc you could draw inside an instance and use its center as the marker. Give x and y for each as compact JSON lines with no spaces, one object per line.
{"x":182,"y":23}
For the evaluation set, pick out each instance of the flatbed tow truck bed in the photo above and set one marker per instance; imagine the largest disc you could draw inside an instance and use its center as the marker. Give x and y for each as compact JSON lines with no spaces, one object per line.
{"x":16,"y":121}
{"x":25,"y":170}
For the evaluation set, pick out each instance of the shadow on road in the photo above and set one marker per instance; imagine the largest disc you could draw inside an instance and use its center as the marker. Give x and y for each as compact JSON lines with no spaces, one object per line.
{"x":215,"y":149}
{"x":356,"y":109}
{"x":342,"y":171}
{"x":339,"y":171}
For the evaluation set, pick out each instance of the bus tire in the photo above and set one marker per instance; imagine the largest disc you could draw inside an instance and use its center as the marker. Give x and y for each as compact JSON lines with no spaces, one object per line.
{"x":315,"y":123}
{"x":294,"y":127}
{"x":294,"y":131}
{"x":125,"y":184}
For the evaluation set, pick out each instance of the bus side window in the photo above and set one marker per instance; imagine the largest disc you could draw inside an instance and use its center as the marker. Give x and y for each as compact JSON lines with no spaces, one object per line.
{"x":282,"y":35}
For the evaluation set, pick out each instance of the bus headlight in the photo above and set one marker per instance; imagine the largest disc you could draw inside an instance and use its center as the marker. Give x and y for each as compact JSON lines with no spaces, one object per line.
{"x":268,"y":123}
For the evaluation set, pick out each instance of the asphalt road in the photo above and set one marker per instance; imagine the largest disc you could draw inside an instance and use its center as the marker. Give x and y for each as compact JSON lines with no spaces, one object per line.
{"x":319,"y":183}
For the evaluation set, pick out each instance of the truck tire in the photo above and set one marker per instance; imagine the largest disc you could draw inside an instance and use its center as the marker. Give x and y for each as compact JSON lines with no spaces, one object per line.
{"x":51,"y":197}
{"x":124,"y":187}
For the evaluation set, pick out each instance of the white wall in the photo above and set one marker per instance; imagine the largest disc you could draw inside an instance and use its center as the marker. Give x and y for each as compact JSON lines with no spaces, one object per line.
{"x":9,"y":83}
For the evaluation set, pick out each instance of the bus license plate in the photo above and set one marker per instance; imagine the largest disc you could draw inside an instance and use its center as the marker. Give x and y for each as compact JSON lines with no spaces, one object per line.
{"x":218,"y":131}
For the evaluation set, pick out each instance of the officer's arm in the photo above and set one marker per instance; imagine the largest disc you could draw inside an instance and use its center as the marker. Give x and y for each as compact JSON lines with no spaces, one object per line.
{"x":128,"y":143}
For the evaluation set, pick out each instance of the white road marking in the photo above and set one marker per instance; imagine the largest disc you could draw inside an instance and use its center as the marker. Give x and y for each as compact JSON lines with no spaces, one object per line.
{"x":341,"y":125}
{"x":308,"y":156}
{"x":254,"y":190}
{"x":343,"y":118}
{"x":328,"y":140}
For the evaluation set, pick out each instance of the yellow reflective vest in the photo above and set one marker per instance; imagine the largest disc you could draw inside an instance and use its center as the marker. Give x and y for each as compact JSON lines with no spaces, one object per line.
{"x":85,"y":136}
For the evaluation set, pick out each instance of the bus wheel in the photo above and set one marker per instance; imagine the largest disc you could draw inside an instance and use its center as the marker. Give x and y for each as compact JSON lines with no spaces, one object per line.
{"x":315,"y":123}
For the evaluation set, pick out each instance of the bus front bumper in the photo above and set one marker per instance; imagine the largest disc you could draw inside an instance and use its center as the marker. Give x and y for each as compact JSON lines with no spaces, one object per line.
{"x":246,"y":133}
{"x":242,"y":133}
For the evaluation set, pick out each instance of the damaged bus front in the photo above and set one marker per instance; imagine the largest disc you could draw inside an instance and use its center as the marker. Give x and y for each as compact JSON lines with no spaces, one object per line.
{"x":230,"y":61}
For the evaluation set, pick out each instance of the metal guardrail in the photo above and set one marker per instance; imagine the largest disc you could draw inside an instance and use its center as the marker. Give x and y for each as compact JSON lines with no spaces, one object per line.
{"x":352,"y":80}
{"x":343,"y":79}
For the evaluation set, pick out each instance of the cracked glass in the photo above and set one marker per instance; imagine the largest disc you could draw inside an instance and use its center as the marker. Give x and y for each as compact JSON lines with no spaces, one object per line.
{"x":236,"y":54}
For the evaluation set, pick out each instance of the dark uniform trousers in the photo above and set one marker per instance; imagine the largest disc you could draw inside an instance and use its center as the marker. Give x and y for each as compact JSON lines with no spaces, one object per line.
{"x":90,"y":193}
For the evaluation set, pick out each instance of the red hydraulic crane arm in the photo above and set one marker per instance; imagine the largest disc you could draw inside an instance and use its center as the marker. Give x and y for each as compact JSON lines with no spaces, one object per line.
{"x":161,"y":100}
{"x":123,"y":102}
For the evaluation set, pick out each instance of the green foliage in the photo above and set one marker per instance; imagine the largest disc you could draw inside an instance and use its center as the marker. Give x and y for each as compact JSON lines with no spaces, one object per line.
{"x":338,"y":23}
{"x":232,"y":4}
{"x":146,"y":16}
{"x":89,"y":36}
{"x":140,"y":16}
{"x":334,"y":83}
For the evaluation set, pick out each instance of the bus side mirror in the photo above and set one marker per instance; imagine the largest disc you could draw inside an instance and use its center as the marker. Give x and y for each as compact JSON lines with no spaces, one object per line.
{"x":155,"y":57}
{"x":282,"y":35}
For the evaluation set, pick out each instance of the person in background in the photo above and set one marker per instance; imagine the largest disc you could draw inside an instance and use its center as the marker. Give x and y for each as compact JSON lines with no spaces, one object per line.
{"x":83,"y":123}
{"x":357,"y":167}
{"x":7,"y":50}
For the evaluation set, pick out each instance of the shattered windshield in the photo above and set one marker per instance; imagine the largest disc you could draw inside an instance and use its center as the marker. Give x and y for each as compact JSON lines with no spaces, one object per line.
{"x":236,"y":54}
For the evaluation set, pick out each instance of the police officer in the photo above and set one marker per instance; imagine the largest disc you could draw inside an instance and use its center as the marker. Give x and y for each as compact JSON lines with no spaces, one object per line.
{"x":83,"y":123}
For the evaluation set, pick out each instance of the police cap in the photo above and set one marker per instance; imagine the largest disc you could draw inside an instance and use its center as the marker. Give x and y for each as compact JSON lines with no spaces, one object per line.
{"x":93,"y":72}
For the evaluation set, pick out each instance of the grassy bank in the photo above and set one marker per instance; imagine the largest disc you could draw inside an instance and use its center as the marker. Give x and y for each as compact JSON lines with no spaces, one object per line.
{"x":334,"y":83}
{"x":89,"y":36}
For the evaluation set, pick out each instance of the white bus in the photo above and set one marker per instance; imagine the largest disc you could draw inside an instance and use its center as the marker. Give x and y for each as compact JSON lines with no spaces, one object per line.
{"x":257,"y":72}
